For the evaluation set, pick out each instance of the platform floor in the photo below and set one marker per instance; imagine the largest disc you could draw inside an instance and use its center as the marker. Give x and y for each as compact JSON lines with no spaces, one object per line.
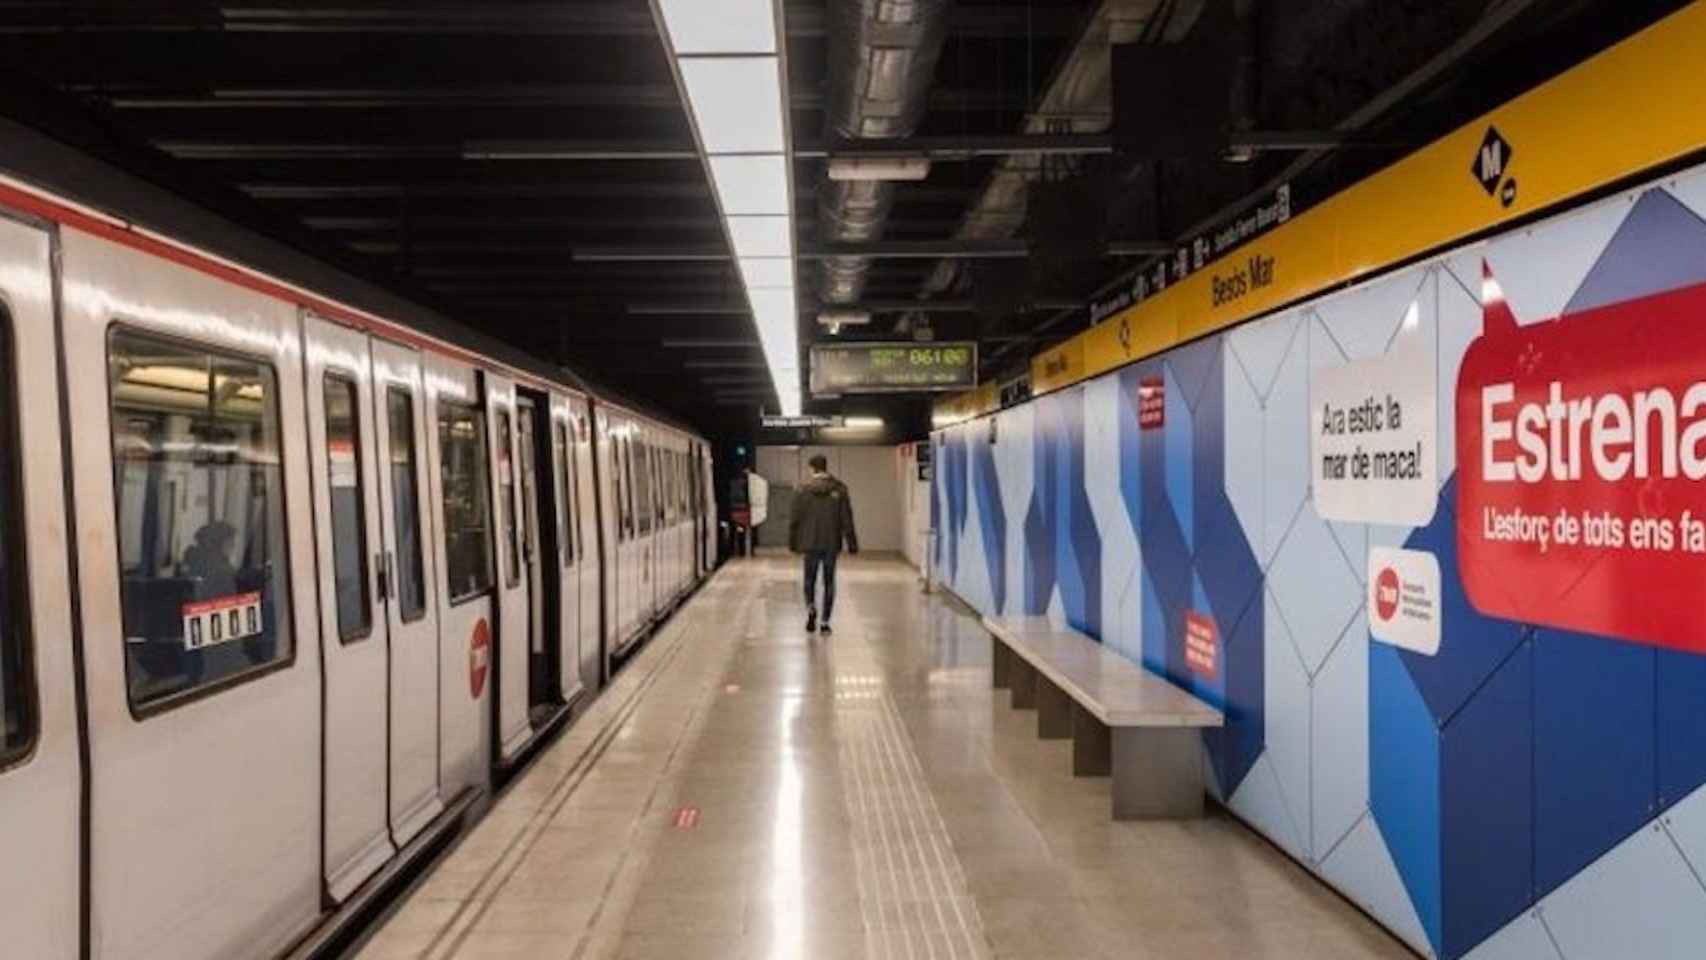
{"x":744,"y":791}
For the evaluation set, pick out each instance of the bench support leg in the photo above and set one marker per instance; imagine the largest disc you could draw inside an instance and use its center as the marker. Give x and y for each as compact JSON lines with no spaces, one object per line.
{"x":1023,"y":679}
{"x":1157,"y":773}
{"x":1090,"y":746}
{"x":1000,"y":665}
{"x":1054,"y":711}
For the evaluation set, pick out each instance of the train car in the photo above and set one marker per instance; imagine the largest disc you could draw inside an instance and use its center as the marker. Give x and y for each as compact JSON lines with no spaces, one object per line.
{"x":286,"y":586}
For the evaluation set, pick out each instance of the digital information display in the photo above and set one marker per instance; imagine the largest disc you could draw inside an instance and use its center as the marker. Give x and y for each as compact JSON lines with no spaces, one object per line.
{"x":839,"y":368}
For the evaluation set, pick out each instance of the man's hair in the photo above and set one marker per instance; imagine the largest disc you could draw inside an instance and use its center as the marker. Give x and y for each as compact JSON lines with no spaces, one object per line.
{"x":819,"y":462}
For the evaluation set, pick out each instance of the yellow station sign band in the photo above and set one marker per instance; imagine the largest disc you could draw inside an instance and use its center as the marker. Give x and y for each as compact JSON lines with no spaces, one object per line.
{"x":1628,"y":109}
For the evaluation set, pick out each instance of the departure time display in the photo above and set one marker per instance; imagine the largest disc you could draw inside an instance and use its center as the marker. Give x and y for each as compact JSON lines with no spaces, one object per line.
{"x":839,"y":368}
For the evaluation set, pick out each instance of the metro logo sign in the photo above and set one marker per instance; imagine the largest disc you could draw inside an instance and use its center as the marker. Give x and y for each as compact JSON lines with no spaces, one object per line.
{"x":1581,"y":451}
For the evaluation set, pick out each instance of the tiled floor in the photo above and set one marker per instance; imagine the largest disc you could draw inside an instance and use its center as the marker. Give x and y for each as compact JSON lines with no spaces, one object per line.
{"x":744,"y":791}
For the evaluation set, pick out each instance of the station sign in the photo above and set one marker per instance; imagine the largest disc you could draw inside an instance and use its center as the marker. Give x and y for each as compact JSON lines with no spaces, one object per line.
{"x":842,"y":368}
{"x":770,"y":421}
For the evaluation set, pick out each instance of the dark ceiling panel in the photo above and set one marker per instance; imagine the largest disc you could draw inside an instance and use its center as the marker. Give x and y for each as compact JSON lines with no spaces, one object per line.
{"x":394,"y":132}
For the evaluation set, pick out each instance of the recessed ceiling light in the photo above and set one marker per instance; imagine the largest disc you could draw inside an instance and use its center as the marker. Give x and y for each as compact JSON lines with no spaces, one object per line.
{"x":751,"y":184}
{"x":720,"y":26}
{"x":737,"y":102}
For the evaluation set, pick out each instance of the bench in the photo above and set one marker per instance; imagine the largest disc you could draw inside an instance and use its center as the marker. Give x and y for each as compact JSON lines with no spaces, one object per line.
{"x":1123,"y":720}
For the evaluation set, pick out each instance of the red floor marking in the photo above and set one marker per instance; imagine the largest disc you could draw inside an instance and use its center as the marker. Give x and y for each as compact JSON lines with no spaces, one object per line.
{"x":686,"y":818}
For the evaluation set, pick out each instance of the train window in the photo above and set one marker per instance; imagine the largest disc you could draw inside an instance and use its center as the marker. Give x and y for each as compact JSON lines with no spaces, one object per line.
{"x":200,"y":507}
{"x":616,"y":477}
{"x":405,"y":504}
{"x":626,"y":473}
{"x":17,"y":701}
{"x":506,"y":501}
{"x":467,"y":513}
{"x":643,"y":490}
{"x":565,"y":504}
{"x":349,"y":514}
{"x":576,"y":431}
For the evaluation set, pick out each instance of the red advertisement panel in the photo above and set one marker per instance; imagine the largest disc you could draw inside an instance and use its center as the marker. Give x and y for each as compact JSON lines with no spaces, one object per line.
{"x":1581,"y":457}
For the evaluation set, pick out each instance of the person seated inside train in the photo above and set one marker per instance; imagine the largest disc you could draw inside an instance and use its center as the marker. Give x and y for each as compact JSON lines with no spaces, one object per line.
{"x":208,"y":560}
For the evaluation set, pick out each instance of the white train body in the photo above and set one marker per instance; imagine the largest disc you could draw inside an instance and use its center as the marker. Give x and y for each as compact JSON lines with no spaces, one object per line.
{"x":283,"y":584}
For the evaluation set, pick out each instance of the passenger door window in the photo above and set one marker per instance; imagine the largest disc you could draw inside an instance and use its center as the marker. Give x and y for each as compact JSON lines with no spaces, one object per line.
{"x":200,"y":504}
{"x":467,"y":512}
{"x":565,"y":503}
{"x":17,"y":686}
{"x":348,"y":509}
{"x":405,"y":504}
{"x":506,"y":496}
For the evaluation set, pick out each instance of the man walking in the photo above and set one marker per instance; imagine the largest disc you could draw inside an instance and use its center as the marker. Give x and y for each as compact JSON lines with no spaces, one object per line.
{"x":822,"y":520}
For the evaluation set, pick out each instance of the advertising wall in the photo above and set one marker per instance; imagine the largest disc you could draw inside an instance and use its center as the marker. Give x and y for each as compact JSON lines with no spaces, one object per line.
{"x":1437,"y":546}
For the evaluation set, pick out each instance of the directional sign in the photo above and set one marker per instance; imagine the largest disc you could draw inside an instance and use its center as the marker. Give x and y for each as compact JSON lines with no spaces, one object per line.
{"x":839,"y":368}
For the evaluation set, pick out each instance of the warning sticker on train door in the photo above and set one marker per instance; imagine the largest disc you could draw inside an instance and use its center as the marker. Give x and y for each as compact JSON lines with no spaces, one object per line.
{"x":209,"y":623}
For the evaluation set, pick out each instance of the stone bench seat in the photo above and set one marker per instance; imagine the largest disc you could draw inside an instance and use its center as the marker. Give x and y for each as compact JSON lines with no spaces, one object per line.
{"x":1123,"y":719}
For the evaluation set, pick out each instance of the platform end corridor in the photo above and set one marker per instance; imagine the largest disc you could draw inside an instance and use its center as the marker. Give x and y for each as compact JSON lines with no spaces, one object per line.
{"x":744,"y":790}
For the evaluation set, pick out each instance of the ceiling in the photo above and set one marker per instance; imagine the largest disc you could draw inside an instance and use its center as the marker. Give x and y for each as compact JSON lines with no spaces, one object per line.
{"x":527,"y":167}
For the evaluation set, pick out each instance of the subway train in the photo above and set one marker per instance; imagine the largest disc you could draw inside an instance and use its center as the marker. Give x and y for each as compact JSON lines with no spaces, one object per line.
{"x":286,"y":586}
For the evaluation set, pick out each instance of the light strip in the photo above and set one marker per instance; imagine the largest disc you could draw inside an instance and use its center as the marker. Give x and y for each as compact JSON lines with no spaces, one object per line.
{"x":731,"y":68}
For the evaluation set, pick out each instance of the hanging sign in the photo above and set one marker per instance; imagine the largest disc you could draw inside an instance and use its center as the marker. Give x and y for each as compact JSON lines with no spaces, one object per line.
{"x":839,"y":368}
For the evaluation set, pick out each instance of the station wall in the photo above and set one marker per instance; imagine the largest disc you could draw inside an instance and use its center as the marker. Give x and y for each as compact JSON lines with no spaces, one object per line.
{"x":1454,"y":618}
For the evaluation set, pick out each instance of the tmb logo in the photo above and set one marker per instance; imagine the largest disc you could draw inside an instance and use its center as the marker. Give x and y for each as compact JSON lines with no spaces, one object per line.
{"x":1386,"y":588}
{"x":1490,"y":164}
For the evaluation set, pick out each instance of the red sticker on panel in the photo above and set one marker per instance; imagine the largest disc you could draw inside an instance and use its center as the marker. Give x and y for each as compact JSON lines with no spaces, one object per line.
{"x":479,"y":658}
{"x":1151,"y":403}
{"x":1581,"y":457}
{"x":1202,"y":645}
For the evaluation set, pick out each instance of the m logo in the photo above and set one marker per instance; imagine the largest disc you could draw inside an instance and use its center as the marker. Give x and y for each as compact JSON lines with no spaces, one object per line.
{"x":1491,"y":162}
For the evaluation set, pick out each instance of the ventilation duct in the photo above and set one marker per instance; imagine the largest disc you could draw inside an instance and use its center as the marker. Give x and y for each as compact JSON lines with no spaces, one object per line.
{"x":1078,"y":99}
{"x":882,"y":55}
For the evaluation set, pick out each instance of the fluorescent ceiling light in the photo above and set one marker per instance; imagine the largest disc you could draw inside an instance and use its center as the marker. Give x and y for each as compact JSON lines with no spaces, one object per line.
{"x":862,"y":423}
{"x":749,"y":185}
{"x":737,"y":102}
{"x":762,"y":236}
{"x":879,"y":168}
{"x":720,"y":26}
{"x":771,"y":272}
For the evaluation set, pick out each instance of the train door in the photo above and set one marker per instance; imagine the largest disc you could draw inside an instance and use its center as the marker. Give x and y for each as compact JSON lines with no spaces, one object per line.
{"x":353,"y":637}
{"x":39,"y":776}
{"x":528,"y":488}
{"x":645,"y":489}
{"x":630,"y":558}
{"x":587,"y":541}
{"x":567,"y":562}
{"x":203,"y":679}
{"x":536,"y":492}
{"x":459,"y":472}
{"x":411,"y":619}
{"x":711,"y":547}
{"x":514,"y":607}
{"x":612,"y":531}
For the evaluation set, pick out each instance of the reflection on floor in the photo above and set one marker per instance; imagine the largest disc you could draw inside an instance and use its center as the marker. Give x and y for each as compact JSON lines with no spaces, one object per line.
{"x":746,"y":791}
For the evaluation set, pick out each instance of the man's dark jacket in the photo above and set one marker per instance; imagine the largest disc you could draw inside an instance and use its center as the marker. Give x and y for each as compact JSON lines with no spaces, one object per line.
{"x":823,"y":517}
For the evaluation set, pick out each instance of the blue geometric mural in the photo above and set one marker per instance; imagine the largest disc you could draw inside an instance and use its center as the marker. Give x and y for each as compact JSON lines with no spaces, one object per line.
{"x":1455,"y":796}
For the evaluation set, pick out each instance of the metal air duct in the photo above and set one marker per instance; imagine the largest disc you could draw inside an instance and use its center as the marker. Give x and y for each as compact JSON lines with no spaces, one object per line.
{"x":882,"y":55}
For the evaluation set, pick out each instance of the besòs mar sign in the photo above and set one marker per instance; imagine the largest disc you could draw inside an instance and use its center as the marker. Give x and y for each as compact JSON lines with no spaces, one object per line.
{"x":1581,"y":452}
{"x":901,"y":367}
